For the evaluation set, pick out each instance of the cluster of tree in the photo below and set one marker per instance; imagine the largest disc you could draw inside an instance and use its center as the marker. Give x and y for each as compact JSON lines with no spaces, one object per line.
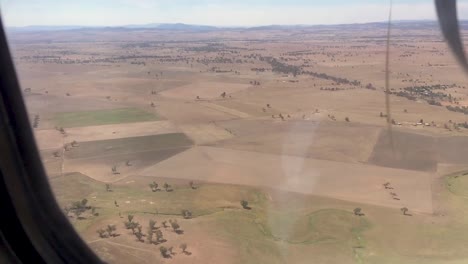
{"x":210,"y":47}
{"x":155,"y":187}
{"x":155,"y":235}
{"x":280,"y":67}
{"x":259,"y":69}
{"x":78,"y":208}
{"x":434,"y":102}
{"x":331,"y":89}
{"x":280,"y":115}
{"x":337,"y":80}
{"x":464,"y":125}
{"x":255,"y":82}
{"x":459,"y":109}
{"x":135,"y":227}
{"x":69,"y":146}
{"x":405,"y":94}
{"x":426,"y":92}
{"x":301,"y":53}
{"x":169,"y":252}
{"x":175,"y":226}
{"x":109,"y":231}
{"x":252,"y":56}
{"x":138,"y":63}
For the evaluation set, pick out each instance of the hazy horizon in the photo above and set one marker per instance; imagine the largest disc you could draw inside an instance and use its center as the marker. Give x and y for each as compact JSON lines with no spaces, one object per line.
{"x":221,"y":26}
{"x":213,"y":12}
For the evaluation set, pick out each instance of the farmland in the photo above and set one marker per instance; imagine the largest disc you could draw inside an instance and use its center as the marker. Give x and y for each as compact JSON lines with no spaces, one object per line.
{"x":264,"y":145}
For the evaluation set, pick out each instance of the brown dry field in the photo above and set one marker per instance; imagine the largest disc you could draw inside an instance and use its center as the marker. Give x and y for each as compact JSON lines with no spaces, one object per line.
{"x":239,"y":140}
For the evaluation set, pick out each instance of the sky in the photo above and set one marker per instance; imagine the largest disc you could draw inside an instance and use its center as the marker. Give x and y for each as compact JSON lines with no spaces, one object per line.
{"x":213,"y":12}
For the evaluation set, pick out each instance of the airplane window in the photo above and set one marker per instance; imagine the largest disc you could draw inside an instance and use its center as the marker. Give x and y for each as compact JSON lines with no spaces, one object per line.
{"x":249,"y":132}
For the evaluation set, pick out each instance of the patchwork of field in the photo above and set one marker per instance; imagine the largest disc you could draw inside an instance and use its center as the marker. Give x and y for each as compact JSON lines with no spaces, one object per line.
{"x":351,"y":182}
{"x":297,"y":129}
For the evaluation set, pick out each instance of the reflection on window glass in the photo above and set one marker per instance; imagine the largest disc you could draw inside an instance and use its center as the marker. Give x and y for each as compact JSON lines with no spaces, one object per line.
{"x":248,"y":132}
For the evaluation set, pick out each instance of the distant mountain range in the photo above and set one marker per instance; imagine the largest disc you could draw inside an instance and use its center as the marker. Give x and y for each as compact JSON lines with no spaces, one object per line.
{"x":160,"y":26}
{"x":420,"y":24}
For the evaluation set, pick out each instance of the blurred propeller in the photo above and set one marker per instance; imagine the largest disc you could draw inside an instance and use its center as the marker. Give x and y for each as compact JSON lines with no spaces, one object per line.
{"x":448,"y":21}
{"x":387,"y":78}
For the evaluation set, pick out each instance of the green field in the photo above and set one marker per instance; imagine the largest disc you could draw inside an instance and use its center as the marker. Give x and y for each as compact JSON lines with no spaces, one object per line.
{"x":290,"y":231}
{"x":122,"y":146}
{"x":103,"y":117}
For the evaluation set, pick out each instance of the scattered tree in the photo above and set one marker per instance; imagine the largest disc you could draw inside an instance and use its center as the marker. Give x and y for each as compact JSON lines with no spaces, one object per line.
{"x":404,"y":210}
{"x":167,"y":187}
{"x":110,"y":230}
{"x":61,"y":130}
{"x":152,"y":225}
{"x":154,"y":186}
{"x":175,"y":226}
{"x":186,"y":214}
{"x":347,"y":119}
{"x":192,"y":185}
{"x":114,"y":170}
{"x":164,"y":223}
{"x":184,"y":248}
{"x":245,"y":204}
{"x":102,"y":233}
{"x":387,"y":185}
{"x":139,"y":236}
{"x":149,"y":237}
{"x":93,"y":211}
{"x":159,"y":236}
{"x":164,"y":253}
{"x":108,"y":187}
{"x":358,"y":211}
{"x":171,"y":250}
